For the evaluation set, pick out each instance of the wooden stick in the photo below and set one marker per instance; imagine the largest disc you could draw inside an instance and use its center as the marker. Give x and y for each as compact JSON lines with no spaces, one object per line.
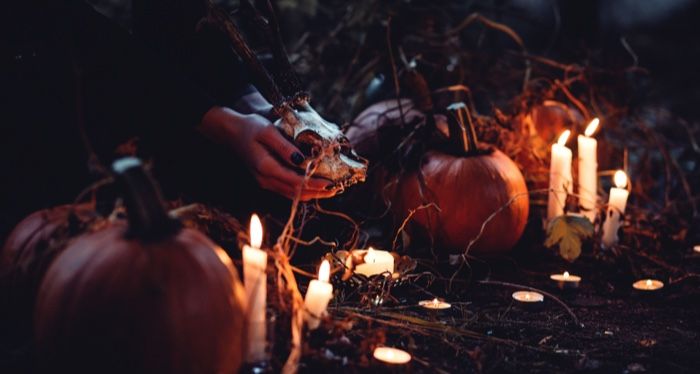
{"x":267,"y":25}
{"x":220,"y":18}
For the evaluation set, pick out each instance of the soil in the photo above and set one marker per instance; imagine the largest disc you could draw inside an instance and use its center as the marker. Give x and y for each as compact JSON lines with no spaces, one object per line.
{"x":621,"y":330}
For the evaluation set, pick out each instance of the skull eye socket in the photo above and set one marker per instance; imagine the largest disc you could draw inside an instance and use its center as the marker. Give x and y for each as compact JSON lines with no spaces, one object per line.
{"x":345,"y":146}
{"x":309,"y":143}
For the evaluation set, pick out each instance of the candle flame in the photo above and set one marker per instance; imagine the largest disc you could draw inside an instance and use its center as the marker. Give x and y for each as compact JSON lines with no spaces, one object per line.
{"x":324,"y":272}
{"x":648,"y":283}
{"x":590,"y":130}
{"x":527,"y":296}
{"x":389,"y":354}
{"x":620,"y":179}
{"x":370,"y":257}
{"x":256,"y":231}
{"x":564,"y":137}
{"x":566,"y":274}
{"x":436,"y":302}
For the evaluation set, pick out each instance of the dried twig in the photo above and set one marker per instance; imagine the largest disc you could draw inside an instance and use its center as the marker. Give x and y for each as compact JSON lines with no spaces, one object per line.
{"x":408,"y":218}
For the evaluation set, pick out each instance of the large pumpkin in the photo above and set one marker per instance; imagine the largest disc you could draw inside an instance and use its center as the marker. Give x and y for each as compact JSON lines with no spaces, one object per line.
{"x":468,"y":184}
{"x":144,"y":297}
{"x":25,"y":256}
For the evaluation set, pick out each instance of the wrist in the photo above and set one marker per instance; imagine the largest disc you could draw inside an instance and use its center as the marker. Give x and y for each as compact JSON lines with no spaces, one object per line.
{"x":218,"y":123}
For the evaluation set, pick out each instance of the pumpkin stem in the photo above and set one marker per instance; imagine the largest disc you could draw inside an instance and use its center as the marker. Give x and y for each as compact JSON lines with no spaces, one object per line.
{"x":148,"y":218}
{"x":462,"y":132}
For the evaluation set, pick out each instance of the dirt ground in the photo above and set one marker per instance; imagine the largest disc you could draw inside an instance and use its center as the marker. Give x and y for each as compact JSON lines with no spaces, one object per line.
{"x":621,"y":330}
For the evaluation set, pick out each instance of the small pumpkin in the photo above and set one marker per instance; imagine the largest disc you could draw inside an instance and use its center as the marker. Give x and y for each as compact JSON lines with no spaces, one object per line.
{"x":141,"y":297}
{"x":468,"y":183}
{"x":550,"y":119}
{"x":377,"y":130}
{"x":26,"y":254}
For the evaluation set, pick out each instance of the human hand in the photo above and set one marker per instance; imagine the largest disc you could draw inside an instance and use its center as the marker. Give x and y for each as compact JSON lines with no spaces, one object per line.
{"x":271,"y":158}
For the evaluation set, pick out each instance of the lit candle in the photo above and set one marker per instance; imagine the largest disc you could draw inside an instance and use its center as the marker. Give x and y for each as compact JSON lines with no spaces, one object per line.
{"x":319,"y":293}
{"x":648,"y":285}
{"x":255,"y":283}
{"x":560,"y":179}
{"x":696,"y":249}
{"x":616,"y":208}
{"x":566,"y":281}
{"x":376,"y":262}
{"x":588,"y":170}
{"x":528,"y":297}
{"x":434,"y":304}
{"x":391,"y":355}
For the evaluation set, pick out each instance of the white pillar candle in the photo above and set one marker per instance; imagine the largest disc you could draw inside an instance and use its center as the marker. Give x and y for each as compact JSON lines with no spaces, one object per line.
{"x":376,"y":262}
{"x":616,"y":208}
{"x":560,"y":180}
{"x":319,"y":293}
{"x":588,"y":171}
{"x":255,"y":283}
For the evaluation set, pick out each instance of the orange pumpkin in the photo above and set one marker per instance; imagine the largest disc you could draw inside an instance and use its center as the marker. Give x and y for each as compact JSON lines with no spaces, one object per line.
{"x":468,"y":184}
{"x":143,"y":297}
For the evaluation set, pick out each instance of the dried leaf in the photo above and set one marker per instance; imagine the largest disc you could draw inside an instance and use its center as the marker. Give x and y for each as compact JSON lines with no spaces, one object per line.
{"x":568,"y":233}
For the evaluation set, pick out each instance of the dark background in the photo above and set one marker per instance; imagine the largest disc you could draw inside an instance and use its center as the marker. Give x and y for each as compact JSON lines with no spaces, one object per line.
{"x":658,"y":36}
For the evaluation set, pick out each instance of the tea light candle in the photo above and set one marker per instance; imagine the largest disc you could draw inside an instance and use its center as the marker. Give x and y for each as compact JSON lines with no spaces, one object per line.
{"x":434,"y":304}
{"x":391,"y":355}
{"x":696,"y":249}
{"x":376,"y":262}
{"x":319,"y":293}
{"x":566,"y":281}
{"x":528,"y":297}
{"x":560,"y":179}
{"x":255,"y":283}
{"x":648,"y":285}
{"x":616,"y":207}
{"x":588,"y":170}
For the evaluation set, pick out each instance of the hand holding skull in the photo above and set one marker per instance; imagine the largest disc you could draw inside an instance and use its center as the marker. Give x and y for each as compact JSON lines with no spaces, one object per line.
{"x":273,"y":160}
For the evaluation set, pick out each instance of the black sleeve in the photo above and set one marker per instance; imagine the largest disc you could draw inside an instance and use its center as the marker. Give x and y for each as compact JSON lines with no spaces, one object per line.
{"x":172,"y":28}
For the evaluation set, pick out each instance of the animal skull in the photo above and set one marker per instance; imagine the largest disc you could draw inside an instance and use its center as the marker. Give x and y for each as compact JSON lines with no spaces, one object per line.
{"x":323,"y":144}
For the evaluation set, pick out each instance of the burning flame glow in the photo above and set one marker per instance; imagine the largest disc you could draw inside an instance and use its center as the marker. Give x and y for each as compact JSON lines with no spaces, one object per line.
{"x":436,"y":302}
{"x":620,"y":179}
{"x":527,"y":296}
{"x":324,"y":272}
{"x":566,"y":274}
{"x":648,"y":283}
{"x":564,"y":137}
{"x":256,"y":231}
{"x":590,"y":130}
{"x":370,"y":257}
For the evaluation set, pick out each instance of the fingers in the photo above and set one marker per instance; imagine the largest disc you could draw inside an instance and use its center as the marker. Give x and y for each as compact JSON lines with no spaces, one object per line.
{"x":291,"y":192}
{"x":274,"y":176}
{"x":277,"y":143}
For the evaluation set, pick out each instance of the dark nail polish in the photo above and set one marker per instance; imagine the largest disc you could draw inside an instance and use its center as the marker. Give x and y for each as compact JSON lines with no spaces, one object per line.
{"x":297,"y":158}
